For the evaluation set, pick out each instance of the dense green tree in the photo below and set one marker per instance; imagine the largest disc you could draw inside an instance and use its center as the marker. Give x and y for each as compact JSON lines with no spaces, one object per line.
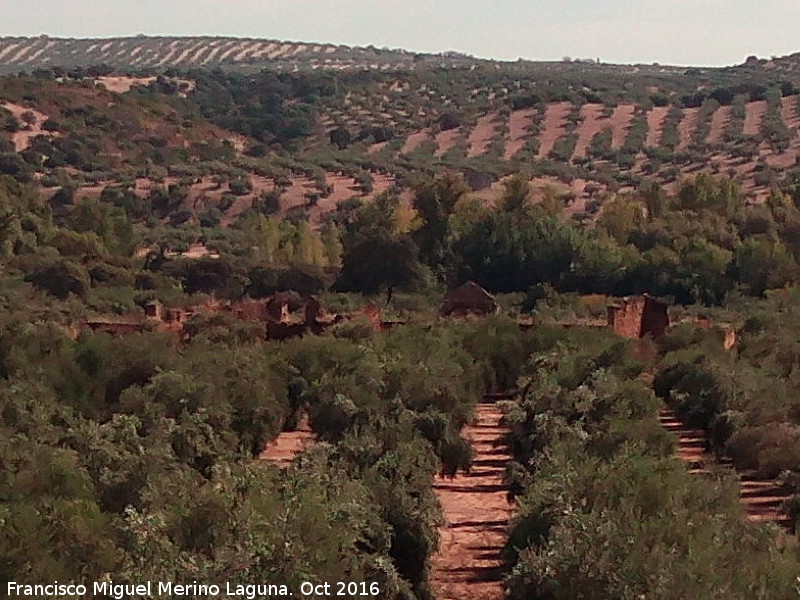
{"x":435,"y":201}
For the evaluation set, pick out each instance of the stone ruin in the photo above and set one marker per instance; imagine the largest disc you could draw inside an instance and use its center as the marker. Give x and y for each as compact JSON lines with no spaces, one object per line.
{"x":639,"y":317}
{"x":287,"y":314}
{"x":114,"y":326}
{"x":726,"y":331}
{"x":283,"y":315}
{"x":643,"y":316}
{"x":469,"y":300}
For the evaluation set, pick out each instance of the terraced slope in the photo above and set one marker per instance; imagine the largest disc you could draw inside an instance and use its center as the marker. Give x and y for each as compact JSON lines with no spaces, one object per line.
{"x":691,"y":442}
{"x":555,"y":119}
{"x":719,"y":121}
{"x":206,"y":194}
{"x":481,"y":136}
{"x":467,"y":565}
{"x":592,"y":124}
{"x":518,"y":124}
{"x":655,"y":125}
{"x":620,"y":124}
{"x":162,"y":52}
{"x":760,"y":498}
{"x":612,"y":127}
{"x":476,"y":510}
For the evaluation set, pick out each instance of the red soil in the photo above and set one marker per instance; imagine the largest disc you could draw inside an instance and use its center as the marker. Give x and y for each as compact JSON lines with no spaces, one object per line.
{"x":375,"y":148}
{"x":555,"y":118}
{"x":467,"y":565}
{"x":789,"y":112}
{"x":446,"y":140}
{"x":591,"y":125}
{"x":517,"y":131}
{"x":121,"y":85}
{"x":620,"y":124}
{"x":490,"y":195}
{"x":414,"y":140}
{"x":760,"y":498}
{"x":655,"y":125}
{"x":343,"y":188}
{"x":754,"y":114}
{"x":581,"y":197}
{"x":207,"y":194}
{"x":481,"y":137}
{"x":22,"y":139}
{"x":287,"y":445}
{"x":195,"y":251}
{"x":687,"y":127}
{"x":719,"y":121}
{"x":785,"y":160}
{"x":691,"y":442}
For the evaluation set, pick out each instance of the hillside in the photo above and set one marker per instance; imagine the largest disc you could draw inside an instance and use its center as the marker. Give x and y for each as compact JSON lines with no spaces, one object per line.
{"x":496,"y":330}
{"x":164,"y":52}
{"x":305,"y":142}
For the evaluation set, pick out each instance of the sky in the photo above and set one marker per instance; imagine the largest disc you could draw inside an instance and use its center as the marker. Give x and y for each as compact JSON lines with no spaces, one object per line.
{"x":681,"y":32}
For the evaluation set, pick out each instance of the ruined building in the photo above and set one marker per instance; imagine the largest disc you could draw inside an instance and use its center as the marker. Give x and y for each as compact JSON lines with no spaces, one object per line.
{"x":725,"y":331}
{"x":639,"y":317}
{"x":469,"y":299}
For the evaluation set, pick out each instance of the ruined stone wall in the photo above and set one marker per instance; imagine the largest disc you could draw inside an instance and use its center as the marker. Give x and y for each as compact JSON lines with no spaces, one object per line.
{"x":637,"y":317}
{"x":655,"y":318}
{"x":469,"y":299}
{"x":250,"y":310}
{"x":626,"y":318}
{"x":120,"y":328}
{"x":285,"y":331}
{"x":730,"y":338}
{"x":154,"y":310}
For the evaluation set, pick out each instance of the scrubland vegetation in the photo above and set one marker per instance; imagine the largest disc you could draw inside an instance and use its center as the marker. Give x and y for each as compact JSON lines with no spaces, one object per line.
{"x":136,"y":455}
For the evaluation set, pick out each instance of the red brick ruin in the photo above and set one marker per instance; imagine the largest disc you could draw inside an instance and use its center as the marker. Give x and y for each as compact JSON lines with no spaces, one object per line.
{"x":283,"y":316}
{"x":469,"y":299}
{"x":286,"y":315}
{"x":639,"y":317}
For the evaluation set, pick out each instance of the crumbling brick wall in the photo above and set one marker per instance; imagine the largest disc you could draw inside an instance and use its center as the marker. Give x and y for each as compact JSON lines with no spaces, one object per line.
{"x":469,"y":299}
{"x":626,"y":318}
{"x":730,"y":338}
{"x":638,"y":317}
{"x":655,"y":318}
{"x":154,"y":310}
{"x":115,"y":328}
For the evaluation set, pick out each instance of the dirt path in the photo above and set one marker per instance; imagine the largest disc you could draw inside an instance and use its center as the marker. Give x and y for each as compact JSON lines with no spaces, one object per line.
{"x":467,"y":566}
{"x":23,"y":138}
{"x":691,"y":442}
{"x":287,"y":445}
{"x":760,"y":498}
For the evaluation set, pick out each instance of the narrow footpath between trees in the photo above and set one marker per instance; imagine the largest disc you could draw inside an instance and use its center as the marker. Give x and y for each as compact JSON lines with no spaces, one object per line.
{"x":476,"y":511}
{"x":287,"y":445}
{"x":760,"y":498}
